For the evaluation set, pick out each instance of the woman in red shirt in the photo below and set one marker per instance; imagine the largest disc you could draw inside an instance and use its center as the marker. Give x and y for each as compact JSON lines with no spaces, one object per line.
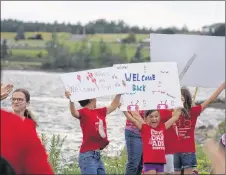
{"x":185,"y":157}
{"x":152,"y":134}
{"x":20,"y":101}
{"x":21,"y":150}
{"x":94,"y":130}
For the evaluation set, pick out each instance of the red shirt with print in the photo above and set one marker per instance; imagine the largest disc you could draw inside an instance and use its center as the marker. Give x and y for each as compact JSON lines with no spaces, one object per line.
{"x":153,"y":144}
{"x":186,"y":130}
{"x":21,"y":147}
{"x":171,"y":135}
{"x":94,"y":129}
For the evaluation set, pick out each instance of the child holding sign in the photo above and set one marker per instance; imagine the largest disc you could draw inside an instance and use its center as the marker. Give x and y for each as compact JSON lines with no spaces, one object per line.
{"x":185,"y":157}
{"x":94,"y":129}
{"x":152,"y":133}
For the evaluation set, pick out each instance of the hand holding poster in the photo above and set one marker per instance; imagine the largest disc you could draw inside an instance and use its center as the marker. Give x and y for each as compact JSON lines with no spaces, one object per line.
{"x":93,"y":83}
{"x":150,"y":86}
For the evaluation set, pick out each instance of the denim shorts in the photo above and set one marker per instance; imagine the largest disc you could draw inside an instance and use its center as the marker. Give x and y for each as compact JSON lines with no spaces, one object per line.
{"x":184,"y":161}
{"x":90,"y":163}
{"x":158,"y":167}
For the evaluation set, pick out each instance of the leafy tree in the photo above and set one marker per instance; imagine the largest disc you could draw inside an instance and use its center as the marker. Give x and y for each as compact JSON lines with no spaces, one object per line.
{"x":4,"y":49}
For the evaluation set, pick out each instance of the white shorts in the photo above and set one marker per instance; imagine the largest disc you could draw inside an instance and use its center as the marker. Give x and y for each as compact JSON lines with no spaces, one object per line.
{"x":169,"y":166}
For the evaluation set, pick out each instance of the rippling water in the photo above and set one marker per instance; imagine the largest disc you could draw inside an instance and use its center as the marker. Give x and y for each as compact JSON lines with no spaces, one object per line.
{"x":52,"y":110}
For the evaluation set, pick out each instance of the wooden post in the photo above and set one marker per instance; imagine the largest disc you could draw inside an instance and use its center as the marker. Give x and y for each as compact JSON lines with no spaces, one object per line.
{"x":194,"y":96}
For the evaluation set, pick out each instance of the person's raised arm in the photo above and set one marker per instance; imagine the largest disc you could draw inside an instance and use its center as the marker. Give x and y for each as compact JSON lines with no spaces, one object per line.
{"x":134,"y":118}
{"x":74,"y":112}
{"x":175,"y":116}
{"x":114,"y":104}
{"x":5,"y":90}
{"x":213,"y":97}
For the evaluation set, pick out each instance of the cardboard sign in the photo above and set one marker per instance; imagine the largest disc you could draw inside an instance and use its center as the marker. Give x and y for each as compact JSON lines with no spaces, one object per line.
{"x":150,"y":86}
{"x":208,"y":67}
{"x":93,"y":83}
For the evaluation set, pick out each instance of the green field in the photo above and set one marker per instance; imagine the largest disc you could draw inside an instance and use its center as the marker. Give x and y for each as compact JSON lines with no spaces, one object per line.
{"x":66,"y":36}
{"x":31,"y":48}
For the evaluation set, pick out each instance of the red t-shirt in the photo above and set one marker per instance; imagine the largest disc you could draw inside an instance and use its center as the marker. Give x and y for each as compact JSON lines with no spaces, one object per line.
{"x":21,"y":147}
{"x":30,"y":123}
{"x":171,"y":135}
{"x":186,"y":130}
{"x":153,"y":144}
{"x":94,"y":129}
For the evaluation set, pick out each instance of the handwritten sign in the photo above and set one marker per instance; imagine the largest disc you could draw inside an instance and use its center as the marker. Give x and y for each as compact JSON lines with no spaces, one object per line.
{"x":93,"y":83}
{"x":150,"y":86}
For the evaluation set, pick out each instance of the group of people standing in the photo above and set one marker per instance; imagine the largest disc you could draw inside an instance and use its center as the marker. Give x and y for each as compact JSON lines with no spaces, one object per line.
{"x":157,"y":141}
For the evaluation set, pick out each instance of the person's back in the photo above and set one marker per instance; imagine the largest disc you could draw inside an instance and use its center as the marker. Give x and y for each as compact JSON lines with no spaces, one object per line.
{"x":21,"y":147}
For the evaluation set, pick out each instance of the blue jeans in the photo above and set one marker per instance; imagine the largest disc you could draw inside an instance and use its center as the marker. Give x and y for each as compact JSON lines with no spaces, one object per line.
{"x":90,"y":163}
{"x":134,"y":152}
{"x":184,"y":160}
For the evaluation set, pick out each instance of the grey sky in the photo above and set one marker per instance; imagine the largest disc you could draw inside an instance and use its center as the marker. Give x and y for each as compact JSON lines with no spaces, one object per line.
{"x":194,"y":14}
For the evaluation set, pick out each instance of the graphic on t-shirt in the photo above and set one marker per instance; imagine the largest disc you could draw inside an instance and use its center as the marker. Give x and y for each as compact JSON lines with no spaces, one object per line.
{"x":175,"y":129}
{"x":183,"y":128}
{"x":157,"y":140}
{"x":100,"y":127}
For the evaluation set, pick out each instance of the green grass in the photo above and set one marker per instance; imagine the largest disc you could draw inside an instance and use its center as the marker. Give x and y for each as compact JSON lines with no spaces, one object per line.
{"x":46,"y":35}
{"x":75,"y":46}
{"x":114,"y":37}
{"x":113,"y":165}
{"x":28,"y":53}
{"x":66,"y":36}
{"x":19,"y":63}
{"x":31,"y":48}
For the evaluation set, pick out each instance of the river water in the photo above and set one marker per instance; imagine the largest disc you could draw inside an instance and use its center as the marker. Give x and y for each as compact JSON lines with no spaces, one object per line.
{"x":51,"y":109}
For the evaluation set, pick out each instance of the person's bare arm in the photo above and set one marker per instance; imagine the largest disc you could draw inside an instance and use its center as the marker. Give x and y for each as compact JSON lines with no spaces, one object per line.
{"x":74,"y":112}
{"x":137,"y":116}
{"x":114,"y":104}
{"x":213,"y":97}
{"x":134,"y":120}
{"x":5,"y":90}
{"x":175,"y":116}
{"x":216,"y":155}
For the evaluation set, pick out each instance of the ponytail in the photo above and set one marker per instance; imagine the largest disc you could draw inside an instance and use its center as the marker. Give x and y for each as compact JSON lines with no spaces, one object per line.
{"x":28,"y":114}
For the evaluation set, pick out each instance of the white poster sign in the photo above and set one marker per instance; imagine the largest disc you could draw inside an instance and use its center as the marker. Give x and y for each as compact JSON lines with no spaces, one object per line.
{"x":208,"y":67}
{"x":150,"y":86}
{"x":93,"y":83}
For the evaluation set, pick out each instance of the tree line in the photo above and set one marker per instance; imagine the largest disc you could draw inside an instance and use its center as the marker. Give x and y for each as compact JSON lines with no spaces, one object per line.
{"x":97,"y":26}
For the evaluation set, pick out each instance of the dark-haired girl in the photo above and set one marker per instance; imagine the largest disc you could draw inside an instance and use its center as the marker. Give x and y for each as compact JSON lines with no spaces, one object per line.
{"x":185,"y":157}
{"x":152,"y":134}
{"x":20,"y":101}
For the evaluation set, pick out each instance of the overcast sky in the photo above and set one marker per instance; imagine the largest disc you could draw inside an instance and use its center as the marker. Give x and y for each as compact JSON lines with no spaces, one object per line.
{"x":194,"y":14}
